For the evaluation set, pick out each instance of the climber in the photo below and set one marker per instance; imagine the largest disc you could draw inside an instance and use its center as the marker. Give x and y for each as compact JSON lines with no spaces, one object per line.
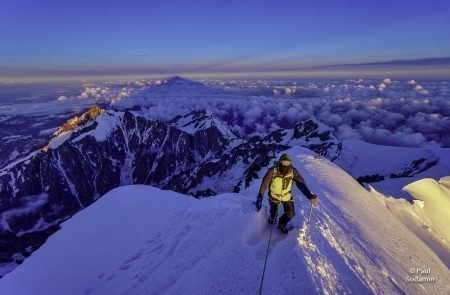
{"x":280,"y":178}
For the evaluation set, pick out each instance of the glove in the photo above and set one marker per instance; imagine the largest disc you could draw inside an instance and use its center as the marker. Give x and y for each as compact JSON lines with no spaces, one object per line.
{"x":313,"y":199}
{"x":258,"y":203}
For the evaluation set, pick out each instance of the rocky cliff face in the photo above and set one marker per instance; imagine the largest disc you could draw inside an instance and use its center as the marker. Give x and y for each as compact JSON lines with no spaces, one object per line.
{"x":197,"y":154}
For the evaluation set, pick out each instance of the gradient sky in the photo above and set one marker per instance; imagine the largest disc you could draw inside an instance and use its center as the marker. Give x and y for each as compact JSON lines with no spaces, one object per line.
{"x":84,"y":38}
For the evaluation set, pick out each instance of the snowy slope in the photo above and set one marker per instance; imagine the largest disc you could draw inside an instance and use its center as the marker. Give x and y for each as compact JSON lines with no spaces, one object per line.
{"x":143,"y":240}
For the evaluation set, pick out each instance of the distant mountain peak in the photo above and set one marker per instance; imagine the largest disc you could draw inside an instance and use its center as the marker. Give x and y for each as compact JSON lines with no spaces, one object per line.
{"x":71,"y":124}
{"x":180,"y":81}
{"x":202,"y":120}
{"x":63,"y":132}
{"x":311,"y":134}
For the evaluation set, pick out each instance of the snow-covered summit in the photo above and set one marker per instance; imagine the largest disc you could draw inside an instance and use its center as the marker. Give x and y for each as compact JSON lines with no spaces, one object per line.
{"x":120,"y":246}
{"x":74,"y":122}
{"x":64,"y":132}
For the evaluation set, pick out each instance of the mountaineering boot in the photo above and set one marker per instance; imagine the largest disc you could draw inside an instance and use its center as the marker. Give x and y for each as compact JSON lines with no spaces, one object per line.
{"x":283,"y":228}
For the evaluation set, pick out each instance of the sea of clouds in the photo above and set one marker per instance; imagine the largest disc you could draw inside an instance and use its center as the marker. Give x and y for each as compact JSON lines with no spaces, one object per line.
{"x":402,"y":113}
{"x":388,"y":112}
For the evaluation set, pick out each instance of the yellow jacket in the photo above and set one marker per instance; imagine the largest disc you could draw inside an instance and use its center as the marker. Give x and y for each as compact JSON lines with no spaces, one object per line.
{"x":280,"y":185}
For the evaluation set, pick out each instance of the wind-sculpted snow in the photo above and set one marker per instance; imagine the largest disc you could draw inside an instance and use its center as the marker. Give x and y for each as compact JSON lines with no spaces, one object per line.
{"x":125,"y":244}
{"x":435,"y":201}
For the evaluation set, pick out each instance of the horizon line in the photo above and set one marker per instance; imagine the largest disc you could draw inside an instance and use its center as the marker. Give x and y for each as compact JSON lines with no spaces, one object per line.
{"x":421,"y":68}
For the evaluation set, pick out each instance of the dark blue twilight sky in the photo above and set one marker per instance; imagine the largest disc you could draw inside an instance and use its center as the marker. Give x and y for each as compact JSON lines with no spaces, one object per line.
{"x":79,"y":38}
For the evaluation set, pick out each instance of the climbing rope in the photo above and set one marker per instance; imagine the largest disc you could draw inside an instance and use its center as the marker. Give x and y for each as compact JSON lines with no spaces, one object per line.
{"x":265,"y":262}
{"x":267,"y":254}
{"x":268,"y":244}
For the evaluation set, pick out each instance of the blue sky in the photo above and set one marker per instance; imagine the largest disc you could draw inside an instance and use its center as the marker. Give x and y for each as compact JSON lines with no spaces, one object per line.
{"x":82,"y":38}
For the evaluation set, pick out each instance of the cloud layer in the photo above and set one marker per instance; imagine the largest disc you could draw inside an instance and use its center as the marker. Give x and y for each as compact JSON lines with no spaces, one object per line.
{"x":386,"y":112}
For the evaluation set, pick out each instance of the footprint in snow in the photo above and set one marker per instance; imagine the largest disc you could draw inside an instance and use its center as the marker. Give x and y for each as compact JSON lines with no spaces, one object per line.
{"x":129,"y":262}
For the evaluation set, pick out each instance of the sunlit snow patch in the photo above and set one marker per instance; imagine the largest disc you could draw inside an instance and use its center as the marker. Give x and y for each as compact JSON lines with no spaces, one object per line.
{"x":436,"y":203}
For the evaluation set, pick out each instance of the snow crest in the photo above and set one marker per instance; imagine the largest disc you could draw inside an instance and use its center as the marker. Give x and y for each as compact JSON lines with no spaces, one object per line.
{"x":436,"y":203}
